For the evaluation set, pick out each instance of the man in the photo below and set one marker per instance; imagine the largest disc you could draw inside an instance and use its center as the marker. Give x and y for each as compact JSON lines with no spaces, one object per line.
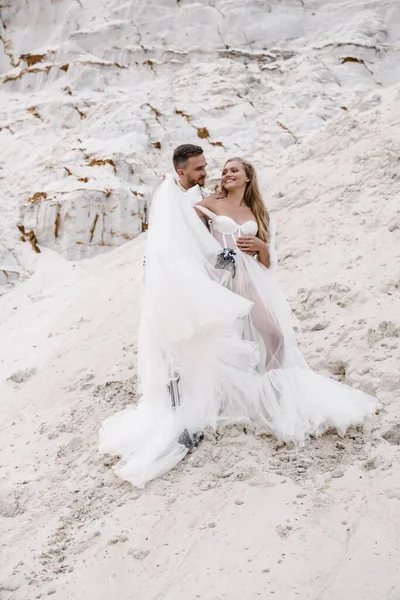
{"x":190,"y":165}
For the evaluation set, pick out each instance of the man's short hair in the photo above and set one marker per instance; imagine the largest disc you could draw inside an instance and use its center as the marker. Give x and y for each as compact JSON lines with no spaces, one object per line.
{"x":183,"y":153}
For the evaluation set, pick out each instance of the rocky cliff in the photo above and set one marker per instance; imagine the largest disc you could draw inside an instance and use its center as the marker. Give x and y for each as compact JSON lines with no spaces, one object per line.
{"x":95,"y":95}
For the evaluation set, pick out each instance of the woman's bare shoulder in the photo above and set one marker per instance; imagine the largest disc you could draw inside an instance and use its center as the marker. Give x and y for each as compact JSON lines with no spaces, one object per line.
{"x":209,"y":202}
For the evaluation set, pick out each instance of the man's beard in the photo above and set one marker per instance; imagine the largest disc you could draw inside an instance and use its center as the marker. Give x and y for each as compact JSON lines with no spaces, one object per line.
{"x":191,"y":182}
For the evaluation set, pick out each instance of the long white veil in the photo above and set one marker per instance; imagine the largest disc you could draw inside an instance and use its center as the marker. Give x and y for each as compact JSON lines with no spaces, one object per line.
{"x":188,"y":332}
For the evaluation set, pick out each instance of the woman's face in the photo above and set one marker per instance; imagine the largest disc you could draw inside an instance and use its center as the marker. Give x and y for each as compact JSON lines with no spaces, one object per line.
{"x":233,"y":176}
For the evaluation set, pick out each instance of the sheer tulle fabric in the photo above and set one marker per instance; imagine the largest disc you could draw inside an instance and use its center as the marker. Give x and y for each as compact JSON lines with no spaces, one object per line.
{"x":231,"y":341}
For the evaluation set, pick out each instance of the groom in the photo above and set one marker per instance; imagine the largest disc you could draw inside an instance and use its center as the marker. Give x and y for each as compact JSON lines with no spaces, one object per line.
{"x":190,"y":166}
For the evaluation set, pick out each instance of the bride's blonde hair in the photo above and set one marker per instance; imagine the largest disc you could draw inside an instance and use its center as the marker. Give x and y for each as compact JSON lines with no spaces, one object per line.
{"x":253,"y":199}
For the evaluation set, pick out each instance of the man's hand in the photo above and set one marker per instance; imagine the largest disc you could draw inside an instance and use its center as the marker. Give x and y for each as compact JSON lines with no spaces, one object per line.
{"x":216,"y":196}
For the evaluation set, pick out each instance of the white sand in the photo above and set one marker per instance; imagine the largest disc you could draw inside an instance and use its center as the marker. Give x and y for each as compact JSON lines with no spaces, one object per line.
{"x":242,"y":518}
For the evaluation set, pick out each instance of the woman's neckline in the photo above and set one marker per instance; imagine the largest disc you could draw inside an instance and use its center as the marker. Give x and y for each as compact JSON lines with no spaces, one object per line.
{"x":234,"y":221}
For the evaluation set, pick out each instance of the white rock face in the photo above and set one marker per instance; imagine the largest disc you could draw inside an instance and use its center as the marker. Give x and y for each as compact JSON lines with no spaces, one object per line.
{"x":81,"y":223}
{"x":95,"y":95}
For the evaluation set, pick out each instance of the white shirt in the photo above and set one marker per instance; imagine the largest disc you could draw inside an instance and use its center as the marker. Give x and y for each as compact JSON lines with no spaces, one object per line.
{"x":194,"y":197}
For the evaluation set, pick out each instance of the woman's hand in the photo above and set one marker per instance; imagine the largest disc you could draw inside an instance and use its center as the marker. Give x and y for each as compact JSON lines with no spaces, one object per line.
{"x":252,"y":245}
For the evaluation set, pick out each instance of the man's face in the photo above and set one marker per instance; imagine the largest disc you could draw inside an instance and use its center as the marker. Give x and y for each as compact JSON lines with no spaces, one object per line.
{"x":194,"y":173}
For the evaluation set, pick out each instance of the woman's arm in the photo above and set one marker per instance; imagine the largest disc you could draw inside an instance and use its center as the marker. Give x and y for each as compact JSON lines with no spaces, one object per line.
{"x":264,"y":256}
{"x":271,"y":246}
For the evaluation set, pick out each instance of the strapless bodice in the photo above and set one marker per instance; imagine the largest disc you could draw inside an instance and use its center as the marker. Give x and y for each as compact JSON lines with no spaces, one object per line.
{"x":227,"y":226}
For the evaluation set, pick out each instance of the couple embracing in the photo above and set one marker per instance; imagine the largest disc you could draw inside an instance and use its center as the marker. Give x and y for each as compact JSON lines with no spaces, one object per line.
{"x":216,"y":342}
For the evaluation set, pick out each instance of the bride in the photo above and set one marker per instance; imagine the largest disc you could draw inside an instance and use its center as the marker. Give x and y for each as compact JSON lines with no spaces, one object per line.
{"x":216,"y":342}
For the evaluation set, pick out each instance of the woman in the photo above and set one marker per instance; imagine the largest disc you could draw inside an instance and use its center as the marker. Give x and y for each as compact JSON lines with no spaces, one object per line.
{"x":239,"y":220}
{"x":216,"y":340}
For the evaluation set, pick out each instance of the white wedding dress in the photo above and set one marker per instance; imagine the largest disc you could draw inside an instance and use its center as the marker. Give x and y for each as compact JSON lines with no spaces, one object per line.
{"x":216,"y":347}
